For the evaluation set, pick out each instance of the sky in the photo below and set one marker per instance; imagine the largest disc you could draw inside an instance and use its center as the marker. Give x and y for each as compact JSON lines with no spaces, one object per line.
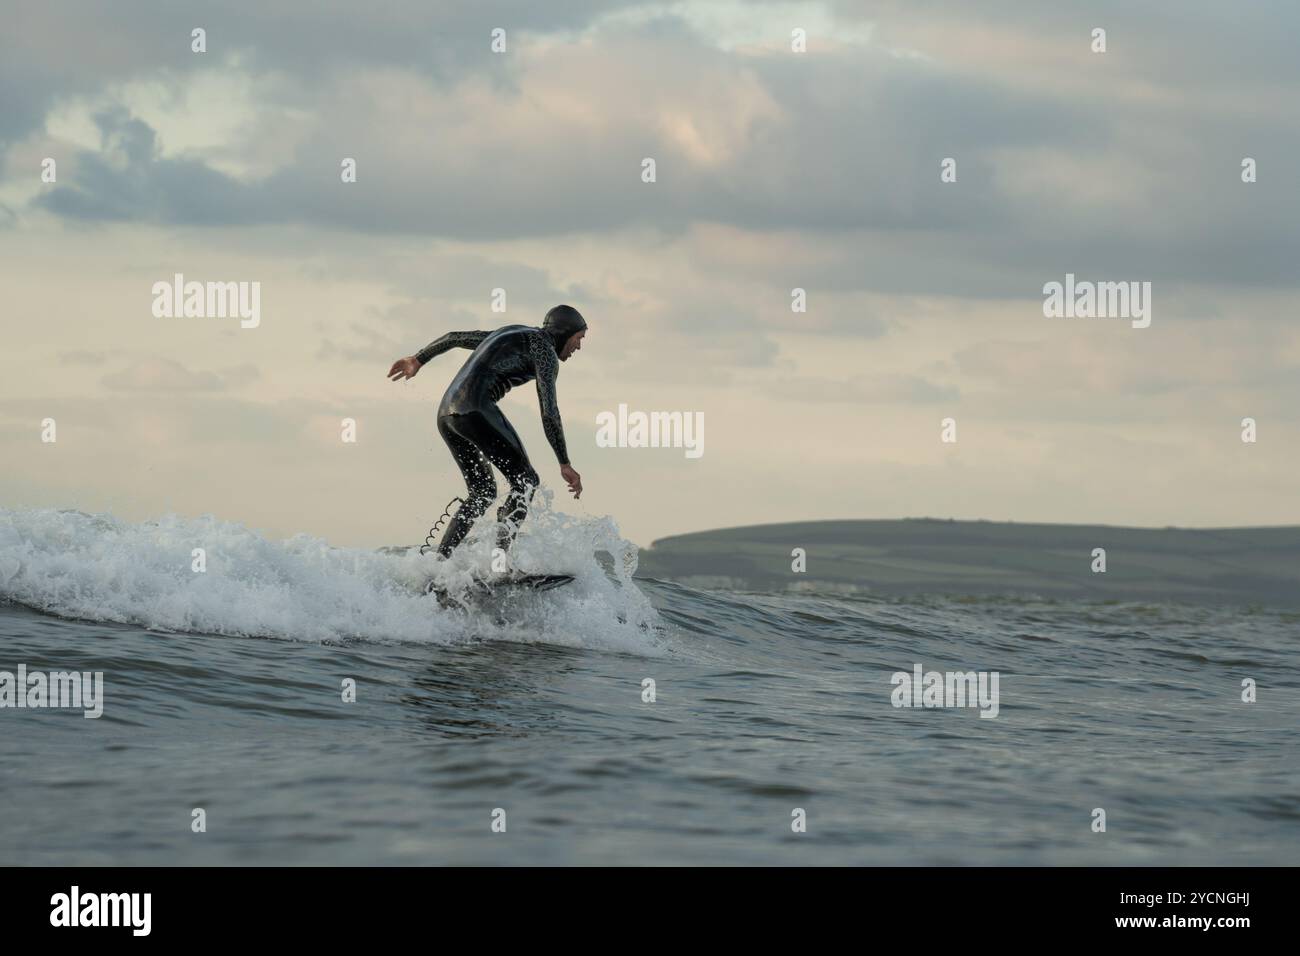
{"x":776,"y":168}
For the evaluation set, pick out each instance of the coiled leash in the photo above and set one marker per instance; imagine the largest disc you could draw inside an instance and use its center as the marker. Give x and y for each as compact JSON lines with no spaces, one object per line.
{"x":429,"y":543}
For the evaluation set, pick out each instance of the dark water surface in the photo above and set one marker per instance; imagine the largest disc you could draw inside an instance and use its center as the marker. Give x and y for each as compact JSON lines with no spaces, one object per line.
{"x":764,"y":703}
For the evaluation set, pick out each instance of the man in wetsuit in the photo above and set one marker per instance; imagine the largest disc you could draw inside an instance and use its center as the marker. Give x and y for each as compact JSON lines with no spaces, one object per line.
{"x":475,"y":430}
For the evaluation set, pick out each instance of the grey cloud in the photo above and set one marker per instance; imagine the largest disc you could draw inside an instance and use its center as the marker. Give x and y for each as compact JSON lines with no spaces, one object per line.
{"x":128,"y":181}
{"x":849,"y":156}
{"x":48,"y":51}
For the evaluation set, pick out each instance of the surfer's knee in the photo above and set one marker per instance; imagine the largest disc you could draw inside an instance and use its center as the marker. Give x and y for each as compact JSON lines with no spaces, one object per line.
{"x":525,"y":482}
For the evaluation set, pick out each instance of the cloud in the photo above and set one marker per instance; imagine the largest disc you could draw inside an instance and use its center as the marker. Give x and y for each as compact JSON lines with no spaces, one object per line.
{"x":167,"y":375}
{"x":872,"y":389}
{"x":78,"y":47}
{"x":838,"y":149}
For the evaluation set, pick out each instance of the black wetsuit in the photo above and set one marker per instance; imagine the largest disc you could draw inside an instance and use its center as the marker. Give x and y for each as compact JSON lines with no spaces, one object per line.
{"x":477,"y":433}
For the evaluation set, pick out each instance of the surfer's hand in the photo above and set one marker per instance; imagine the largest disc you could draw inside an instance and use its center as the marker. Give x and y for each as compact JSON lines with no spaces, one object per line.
{"x":404,"y":368}
{"x":573,"y":478}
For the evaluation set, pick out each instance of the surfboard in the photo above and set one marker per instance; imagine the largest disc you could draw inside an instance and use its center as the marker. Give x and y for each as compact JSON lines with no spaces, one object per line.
{"x":531,"y":582}
{"x":537,"y":582}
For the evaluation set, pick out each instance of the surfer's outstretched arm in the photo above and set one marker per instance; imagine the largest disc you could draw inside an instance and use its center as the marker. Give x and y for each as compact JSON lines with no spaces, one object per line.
{"x":547,"y":366}
{"x":409,"y":366}
{"x":452,"y":340}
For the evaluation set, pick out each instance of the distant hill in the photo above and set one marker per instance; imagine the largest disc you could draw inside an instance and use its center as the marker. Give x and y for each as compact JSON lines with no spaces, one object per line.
{"x":933,"y":556}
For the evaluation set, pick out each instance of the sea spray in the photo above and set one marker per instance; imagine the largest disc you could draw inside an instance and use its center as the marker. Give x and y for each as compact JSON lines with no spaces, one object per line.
{"x":97,"y":567}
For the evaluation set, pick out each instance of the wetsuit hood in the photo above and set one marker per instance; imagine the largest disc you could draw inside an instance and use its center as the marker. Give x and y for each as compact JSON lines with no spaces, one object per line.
{"x":561,"y":322}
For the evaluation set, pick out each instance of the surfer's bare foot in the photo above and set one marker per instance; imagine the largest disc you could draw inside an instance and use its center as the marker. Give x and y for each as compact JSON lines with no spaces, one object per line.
{"x":573,"y":478}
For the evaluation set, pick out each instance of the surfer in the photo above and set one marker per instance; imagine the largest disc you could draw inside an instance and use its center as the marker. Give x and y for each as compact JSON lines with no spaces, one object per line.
{"x":477,"y":432}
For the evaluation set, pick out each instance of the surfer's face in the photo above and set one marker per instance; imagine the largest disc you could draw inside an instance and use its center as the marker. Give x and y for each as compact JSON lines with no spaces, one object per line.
{"x":574,"y":344}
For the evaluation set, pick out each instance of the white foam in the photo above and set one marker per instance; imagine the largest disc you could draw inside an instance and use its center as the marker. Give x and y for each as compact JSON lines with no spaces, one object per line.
{"x":96,"y":567}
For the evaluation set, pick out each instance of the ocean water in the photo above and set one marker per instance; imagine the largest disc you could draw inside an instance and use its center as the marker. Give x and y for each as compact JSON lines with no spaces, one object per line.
{"x":223,"y":691}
